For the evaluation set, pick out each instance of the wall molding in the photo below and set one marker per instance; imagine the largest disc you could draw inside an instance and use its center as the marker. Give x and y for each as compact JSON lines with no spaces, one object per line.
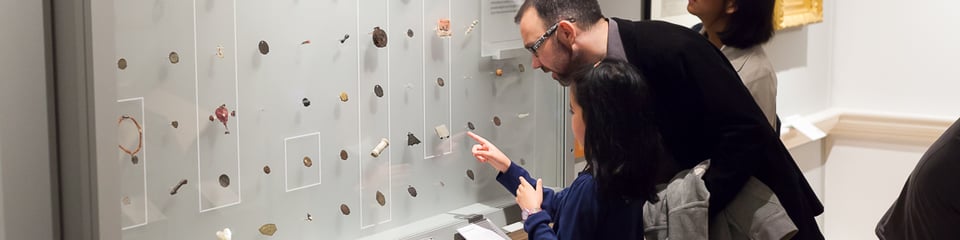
{"x":905,"y":129}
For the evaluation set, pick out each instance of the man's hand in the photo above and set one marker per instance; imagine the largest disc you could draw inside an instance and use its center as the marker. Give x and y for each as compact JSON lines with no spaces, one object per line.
{"x":486,"y":152}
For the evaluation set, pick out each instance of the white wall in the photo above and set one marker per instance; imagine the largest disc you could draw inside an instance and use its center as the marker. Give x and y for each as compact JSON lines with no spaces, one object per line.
{"x":626,"y":9}
{"x":897,"y":57}
{"x":27,"y":210}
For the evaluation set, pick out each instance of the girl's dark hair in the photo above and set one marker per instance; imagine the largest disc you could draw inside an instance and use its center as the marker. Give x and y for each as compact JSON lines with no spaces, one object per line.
{"x":750,"y":25}
{"x":622,"y":143}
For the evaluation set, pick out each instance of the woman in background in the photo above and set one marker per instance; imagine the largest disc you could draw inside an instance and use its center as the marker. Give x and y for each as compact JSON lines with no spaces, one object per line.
{"x":612,"y":117}
{"x":739,"y":28}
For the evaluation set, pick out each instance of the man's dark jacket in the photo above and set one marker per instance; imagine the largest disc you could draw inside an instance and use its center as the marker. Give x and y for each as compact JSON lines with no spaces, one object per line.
{"x":705,"y":112}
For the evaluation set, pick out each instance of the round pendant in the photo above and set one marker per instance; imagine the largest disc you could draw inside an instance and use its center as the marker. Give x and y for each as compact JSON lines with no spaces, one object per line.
{"x":378,"y":90}
{"x":266,"y":169}
{"x":344,"y":97}
{"x":122,"y":63}
{"x":174,"y":57}
{"x":410,"y":33}
{"x":379,"y":37}
{"x":134,"y":159}
{"x":496,"y":121}
{"x":307,"y":162}
{"x":440,"y":81}
{"x":224,"y":180}
{"x":412,"y":191}
{"x":344,"y":209}
{"x":343,"y":155}
{"x":382,"y":200}
{"x":470,"y":174}
{"x":264,"y":47}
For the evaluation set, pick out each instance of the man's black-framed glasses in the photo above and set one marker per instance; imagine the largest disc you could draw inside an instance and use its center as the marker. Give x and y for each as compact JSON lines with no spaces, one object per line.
{"x":543,"y":38}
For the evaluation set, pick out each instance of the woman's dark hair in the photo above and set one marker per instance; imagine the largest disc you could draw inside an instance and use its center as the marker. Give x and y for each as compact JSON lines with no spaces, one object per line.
{"x":750,"y":25}
{"x":622,"y":143}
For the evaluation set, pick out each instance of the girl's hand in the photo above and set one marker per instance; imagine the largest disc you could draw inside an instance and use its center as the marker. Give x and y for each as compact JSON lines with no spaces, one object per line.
{"x":486,"y":152}
{"x":530,"y":198}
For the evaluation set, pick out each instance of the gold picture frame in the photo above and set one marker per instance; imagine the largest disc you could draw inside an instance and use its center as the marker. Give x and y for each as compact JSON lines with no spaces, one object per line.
{"x":794,"y":13}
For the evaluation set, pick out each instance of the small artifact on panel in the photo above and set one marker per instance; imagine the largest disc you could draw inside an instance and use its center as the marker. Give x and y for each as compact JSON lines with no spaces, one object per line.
{"x":344,"y":39}
{"x":379,"y":37}
{"x":344,"y":97}
{"x":224,"y":180}
{"x":266,"y":169}
{"x":225,"y":234}
{"x":306,"y":102}
{"x":523,"y":161}
{"x":443,"y":28}
{"x":521,"y":68}
{"x":174,"y":57}
{"x":410,"y":33}
{"x":380,"y":147}
{"x":378,"y":90}
{"x":305,"y":42}
{"x":309,"y":217}
{"x":470,"y":174}
{"x":133,"y":153}
{"x":412,"y":140}
{"x":122,"y":63}
{"x":223,"y":114}
{"x":412,"y":191}
{"x":344,"y":209}
{"x":523,"y":115}
{"x":442,"y":131}
{"x":343,"y":155}
{"x":382,"y":200}
{"x":125,"y":200}
{"x":307,"y":162}
{"x":268,"y":229}
{"x":470,"y":126}
{"x":264,"y":47}
{"x":496,"y":121}
{"x":175,"y":124}
{"x":440,"y":81}
{"x":220,"y":51}
{"x":177,"y":187}
{"x":471,"y":27}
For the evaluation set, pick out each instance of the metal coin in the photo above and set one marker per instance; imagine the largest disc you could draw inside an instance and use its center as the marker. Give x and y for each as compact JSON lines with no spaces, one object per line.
{"x":344,"y":97}
{"x":306,"y":102}
{"x":470,"y":174}
{"x":378,"y":90}
{"x":410,"y":33}
{"x":264,"y":47}
{"x":343,"y":155}
{"x":122,"y":63}
{"x":307,"y":162}
{"x":379,"y":37}
{"x":412,"y":140}
{"x":266,"y":169}
{"x":381,"y":199}
{"x":470,"y":126}
{"x":440,"y":81}
{"x":224,"y":180}
{"x":412,"y":191}
{"x":174,"y":57}
{"x":496,"y":121}
{"x":344,"y":209}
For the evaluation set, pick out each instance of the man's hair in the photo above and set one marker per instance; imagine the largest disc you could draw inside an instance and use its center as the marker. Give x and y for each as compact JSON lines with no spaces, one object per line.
{"x":750,"y":25}
{"x":585,"y":13}
{"x":621,"y":142}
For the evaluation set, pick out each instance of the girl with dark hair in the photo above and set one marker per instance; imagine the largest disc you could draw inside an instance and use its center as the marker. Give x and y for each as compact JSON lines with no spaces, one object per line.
{"x":612,"y":117}
{"x":739,"y":28}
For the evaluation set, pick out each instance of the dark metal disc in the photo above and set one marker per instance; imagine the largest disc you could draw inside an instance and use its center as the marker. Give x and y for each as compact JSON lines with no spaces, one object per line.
{"x":344,"y":209}
{"x":122,"y":63}
{"x":382,"y":200}
{"x":379,"y":37}
{"x":378,"y":90}
{"x":264,"y":47}
{"x":470,"y":174}
{"x":224,"y":180}
{"x":343,"y":155}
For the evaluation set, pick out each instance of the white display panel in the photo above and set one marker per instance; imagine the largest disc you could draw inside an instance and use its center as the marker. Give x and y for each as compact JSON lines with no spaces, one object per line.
{"x":294,"y":88}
